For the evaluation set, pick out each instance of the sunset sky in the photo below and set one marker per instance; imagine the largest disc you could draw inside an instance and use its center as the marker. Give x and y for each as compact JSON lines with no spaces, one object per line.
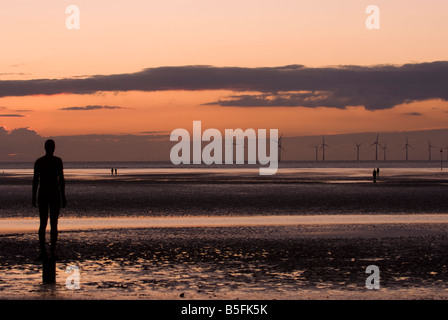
{"x":148,"y":67}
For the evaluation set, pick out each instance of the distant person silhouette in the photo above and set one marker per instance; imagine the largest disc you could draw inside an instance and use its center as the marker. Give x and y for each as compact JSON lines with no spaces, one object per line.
{"x":49,"y":187}
{"x":115,"y":171}
{"x":377,"y":172}
{"x":112,"y":171}
{"x":374,"y":176}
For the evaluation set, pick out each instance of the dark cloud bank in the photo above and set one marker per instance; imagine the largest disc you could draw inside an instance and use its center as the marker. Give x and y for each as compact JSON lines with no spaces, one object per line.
{"x":375,"y":87}
{"x":26,"y":145}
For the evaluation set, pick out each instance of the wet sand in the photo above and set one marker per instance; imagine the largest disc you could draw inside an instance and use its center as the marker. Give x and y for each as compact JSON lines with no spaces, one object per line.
{"x":26,"y":225}
{"x":307,"y":237}
{"x":259,"y":262}
{"x":238,"y":193}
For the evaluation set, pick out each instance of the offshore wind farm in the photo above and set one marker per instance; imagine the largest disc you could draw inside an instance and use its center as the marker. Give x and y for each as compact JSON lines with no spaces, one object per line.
{"x":374,"y":147}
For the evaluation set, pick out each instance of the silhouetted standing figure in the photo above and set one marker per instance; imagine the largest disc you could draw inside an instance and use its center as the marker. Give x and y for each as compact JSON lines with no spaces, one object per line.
{"x":377,"y":172}
{"x":112,"y":171}
{"x":49,"y":190}
{"x":115,"y":171}
{"x":374,"y":176}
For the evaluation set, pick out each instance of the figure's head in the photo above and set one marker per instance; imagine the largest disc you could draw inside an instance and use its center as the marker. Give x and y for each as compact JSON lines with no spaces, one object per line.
{"x":50,"y":146}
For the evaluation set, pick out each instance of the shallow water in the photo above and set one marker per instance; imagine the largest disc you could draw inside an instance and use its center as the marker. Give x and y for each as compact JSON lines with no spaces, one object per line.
{"x":86,"y":173}
{"x":294,"y":191}
{"x":289,"y":262}
{"x":21,"y":225}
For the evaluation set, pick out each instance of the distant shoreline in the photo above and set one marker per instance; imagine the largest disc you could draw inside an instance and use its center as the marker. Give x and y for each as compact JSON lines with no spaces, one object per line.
{"x":283,"y":164}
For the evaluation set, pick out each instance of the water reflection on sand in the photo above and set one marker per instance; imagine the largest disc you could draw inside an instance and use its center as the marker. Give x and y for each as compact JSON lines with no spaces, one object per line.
{"x":266,"y":262}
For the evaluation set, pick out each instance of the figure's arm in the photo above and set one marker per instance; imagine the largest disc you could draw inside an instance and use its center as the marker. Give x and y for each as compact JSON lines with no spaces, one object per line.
{"x":35,"y":184}
{"x":62,"y":184}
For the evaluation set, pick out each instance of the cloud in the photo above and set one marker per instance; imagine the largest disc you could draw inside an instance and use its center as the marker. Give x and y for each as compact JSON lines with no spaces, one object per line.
{"x":85,"y":108}
{"x":153,"y":132}
{"x":16,"y":110}
{"x":14,"y":74}
{"x":25,"y":133}
{"x":12,"y":115}
{"x":284,"y":99}
{"x":21,"y":142}
{"x":374,"y":87}
{"x":17,"y":65}
{"x":27,"y":145}
{"x":414,"y":114}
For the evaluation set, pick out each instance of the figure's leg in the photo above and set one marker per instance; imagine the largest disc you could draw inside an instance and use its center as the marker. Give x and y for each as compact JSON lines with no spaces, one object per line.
{"x":54,"y":215}
{"x":43,"y":215}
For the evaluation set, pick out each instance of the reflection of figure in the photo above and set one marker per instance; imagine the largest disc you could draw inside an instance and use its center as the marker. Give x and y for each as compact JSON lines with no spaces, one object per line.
{"x":49,"y":186}
{"x":374,"y":176}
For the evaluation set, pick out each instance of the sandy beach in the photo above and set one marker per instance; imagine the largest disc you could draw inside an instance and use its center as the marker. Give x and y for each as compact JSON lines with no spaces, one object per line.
{"x":263,"y":262}
{"x":234,"y":192}
{"x":225,"y":236}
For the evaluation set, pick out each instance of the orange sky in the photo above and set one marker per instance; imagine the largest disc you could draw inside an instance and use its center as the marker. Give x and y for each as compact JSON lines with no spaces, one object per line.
{"x":128,"y":36}
{"x":165,"y":111}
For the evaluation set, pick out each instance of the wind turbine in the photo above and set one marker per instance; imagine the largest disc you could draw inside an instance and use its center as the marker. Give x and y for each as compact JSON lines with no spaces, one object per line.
{"x":317,"y":150}
{"x":322,"y":146}
{"x":280,"y":148}
{"x":384,"y":149}
{"x":357,"y":150}
{"x":376,"y":143}
{"x":235,"y":143}
{"x":406,"y":146}
{"x":429,"y":149}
